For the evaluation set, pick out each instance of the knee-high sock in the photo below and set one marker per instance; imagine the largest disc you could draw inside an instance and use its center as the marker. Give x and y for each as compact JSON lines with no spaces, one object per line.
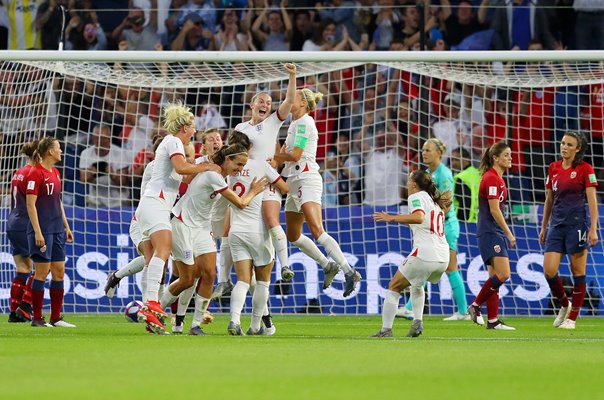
{"x":37,"y":297}
{"x":167,"y":298}
{"x":56,"y":299}
{"x":226,"y":260}
{"x":389,"y":309}
{"x":459,"y":291}
{"x":252,"y":290}
{"x":201,"y":306}
{"x":579,"y":290}
{"x":309,"y":248}
{"x":280,"y":243}
{"x":259,"y":300}
{"x":557,"y":288}
{"x":154,"y":275}
{"x":493,"y":306}
{"x":418,"y":298}
{"x":17,"y":288}
{"x":144,"y":277}
{"x":490,"y":286}
{"x":333,"y":250}
{"x":237,"y":300}
{"x":27,"y":292}
{"x":184,"y":299}
{"x":133,"y":267}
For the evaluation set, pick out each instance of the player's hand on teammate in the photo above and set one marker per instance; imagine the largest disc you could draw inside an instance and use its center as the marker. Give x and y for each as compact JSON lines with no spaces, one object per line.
{"x":592,"y":237}
{"x":512,"y":240}
{"x":290,"y":68}
{"x":382,"y":216}
{"x":210,"y":167}
{"x":258,"y":185}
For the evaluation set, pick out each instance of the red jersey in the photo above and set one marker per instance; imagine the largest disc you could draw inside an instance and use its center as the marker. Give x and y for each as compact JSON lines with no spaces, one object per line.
{"x":47,"y":186}
{"x":492,"y":186}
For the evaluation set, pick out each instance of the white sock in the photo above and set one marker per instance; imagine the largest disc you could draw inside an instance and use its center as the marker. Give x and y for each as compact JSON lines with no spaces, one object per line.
{"x":167,"y":298}
{"x":309,"y":248}
{"x":144,"y":277}
{"x":133,"y":267}
{"x":389,"y":309}
{"x":333,"y":250}
{"x":280,"y":243}
{"x":184,"y":299}
{"x":201,"y":306}
{"x":417,"y":302}
{"x":252,"y":284}
{"x":226,"y":260}
{"x":259,"y":304}
{"x":161,"y":290}
{"x":154,"y":274}
{"x":237,"y":300}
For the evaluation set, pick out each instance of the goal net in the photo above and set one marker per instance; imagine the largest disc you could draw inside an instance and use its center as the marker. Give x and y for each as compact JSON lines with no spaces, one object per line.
{"x":378,"y":110}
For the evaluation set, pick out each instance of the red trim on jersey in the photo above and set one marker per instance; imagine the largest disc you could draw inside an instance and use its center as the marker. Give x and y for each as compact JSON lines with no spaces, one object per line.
{"x":133,"y":217}
{"x":306,"y":169}
{"x":276,"y":180}
{"x":421,"y":211}
{"x":180,"y":217}
{"x":414,"y":252}
{"x":161,"y":195}
{"x":278,"y":116}
{"x":221,"y":190}
{"x":177,"y":154}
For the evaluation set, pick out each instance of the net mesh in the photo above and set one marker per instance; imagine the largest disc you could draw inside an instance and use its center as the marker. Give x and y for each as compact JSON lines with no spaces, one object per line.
{"x":372,"y":122}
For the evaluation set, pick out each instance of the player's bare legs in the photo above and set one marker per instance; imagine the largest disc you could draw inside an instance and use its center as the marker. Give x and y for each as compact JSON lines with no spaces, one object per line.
{"x":270,"y":213}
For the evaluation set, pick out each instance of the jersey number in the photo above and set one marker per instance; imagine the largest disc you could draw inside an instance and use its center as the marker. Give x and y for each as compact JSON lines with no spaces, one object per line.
{"x":437,"y":223}
{"x":50,"y":188}
{"x":239,"y":188}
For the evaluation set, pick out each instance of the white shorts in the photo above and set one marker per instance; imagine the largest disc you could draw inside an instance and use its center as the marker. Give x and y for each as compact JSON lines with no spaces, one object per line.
{"x":418,"y":271}
{"x":188,"y":243}
{"x":302,"y":190}
{"x":136,"y":236}
{"x":153,"y":214}
{"x":271,"y":193}
{"x":218,"y":228}
{"x":257,"y":247}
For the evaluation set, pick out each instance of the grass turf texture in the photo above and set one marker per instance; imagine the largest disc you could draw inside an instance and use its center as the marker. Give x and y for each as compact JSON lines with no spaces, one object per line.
{"x":310,"y":357}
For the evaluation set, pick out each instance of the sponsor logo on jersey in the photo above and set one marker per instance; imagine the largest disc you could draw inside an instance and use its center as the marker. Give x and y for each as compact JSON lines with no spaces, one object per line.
{"x":573,"y":175}
{"x":592,"y":178}
{"x":497,"y":248}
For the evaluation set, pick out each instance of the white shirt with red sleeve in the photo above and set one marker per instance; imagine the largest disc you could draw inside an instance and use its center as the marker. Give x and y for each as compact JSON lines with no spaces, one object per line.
{"x":429,"y":242}
{"x":195,"y":206}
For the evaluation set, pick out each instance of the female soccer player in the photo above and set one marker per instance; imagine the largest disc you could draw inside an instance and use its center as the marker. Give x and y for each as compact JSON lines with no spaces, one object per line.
{"x":251,"y":247}
{"x":153,"y":212}
{"x":570,"y":182}
{"x":263,"y":131}
{"x":303,"y":203}
{"x":16,"y":231}
{"x":430,"y":255}
{"x":493,"y":233}
{"x":47,"y":232}
{"x":194,"y":248}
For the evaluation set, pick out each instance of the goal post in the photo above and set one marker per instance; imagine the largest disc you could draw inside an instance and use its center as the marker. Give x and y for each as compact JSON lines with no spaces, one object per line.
{"x":378,"y":110}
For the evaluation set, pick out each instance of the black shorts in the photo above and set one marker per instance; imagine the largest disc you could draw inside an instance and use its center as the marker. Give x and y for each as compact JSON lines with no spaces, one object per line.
{"x":55,"y":247}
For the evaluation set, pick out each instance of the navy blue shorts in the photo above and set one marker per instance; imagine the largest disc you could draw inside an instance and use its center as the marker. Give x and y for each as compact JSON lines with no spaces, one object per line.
{"x":568,"y":239}
{"x":492,"y":245}
{"x":55,"y":247}
{"x":18,"y":243}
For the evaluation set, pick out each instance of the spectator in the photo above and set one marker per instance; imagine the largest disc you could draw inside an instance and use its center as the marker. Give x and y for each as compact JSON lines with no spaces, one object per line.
{"x":330,"y":182}
{"x":348,"y":172}
{"x":324,"y":38}
{"x":133,"y":31}
{"x":194,"y":36}
{"x":342,"y":13}
{"x":302,"y":30}
{"x":279,"y":29}
{"x":450,"y":129}
{"x":104,"y":169}
{"x":49,"y":22}
{"x":23,"y":36}
{"x":138,"y":130}
{"x":462,"y":24}
{"x":467,"y":183}
{"x":387,"y":21}
{"x":364,"y":18}
{"x":91,"y":38}
{"x":229,"y":37}
{"x":206,"y":10}
{"x":171,"y":22}
{"x":589,"y":25}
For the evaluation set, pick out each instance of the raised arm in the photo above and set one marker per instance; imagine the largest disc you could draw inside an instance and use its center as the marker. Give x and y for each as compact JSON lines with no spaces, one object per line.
{"x":290,"y":95}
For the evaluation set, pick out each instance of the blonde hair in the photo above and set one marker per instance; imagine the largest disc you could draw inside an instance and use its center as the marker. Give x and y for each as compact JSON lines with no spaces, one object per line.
{"x":177,"y":115}
{"x":312,"y":98}
{"x":204,"y":136}
{"x":440,"y":146}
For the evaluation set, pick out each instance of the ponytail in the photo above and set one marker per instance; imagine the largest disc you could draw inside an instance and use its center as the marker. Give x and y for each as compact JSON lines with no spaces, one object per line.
{"x":312,"y":98}
{"x":424,"y":182}
{"x":581,"y":144}
{"x":486,"y":161}
{"x":29,"y":149}
{"x":44,"y":145}
{"x":228,"y":151}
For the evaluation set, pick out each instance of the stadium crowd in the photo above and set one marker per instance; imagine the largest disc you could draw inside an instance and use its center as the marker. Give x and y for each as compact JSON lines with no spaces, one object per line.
{"x":373,"y":120}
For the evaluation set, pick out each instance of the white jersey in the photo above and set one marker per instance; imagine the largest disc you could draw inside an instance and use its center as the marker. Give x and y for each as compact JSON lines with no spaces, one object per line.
{"x":194,"y":207}
{"x":147,"y":176}
{"x":263,"y":136}
{"x":429,"y":242}
{"x":202,"y":159}
{"x":302,"y":133}
{"x":250,"y":219}
{"x":164,"y":182}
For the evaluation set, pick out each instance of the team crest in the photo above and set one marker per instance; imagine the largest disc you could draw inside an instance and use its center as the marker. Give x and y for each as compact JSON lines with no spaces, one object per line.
{"x":259,"y":127}
{"x":188,"y":254}
{"x":573,"y":175}
{"x":497,"y":248}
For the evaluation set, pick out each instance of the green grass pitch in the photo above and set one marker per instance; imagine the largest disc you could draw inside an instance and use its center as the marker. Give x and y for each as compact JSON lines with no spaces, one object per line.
{"x":310,"y":357}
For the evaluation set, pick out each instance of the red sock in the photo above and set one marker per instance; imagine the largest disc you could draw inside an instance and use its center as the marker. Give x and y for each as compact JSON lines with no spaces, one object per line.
{"x":555,"y":285}
{"x":578,"y":296}
{"x":37,"y":296}
{"x":493,"y":306}
{"x":27,"y":292}
{"x":17,"y":288}
{"x":174,"y":307}
{"x":490,"y":286}
{"x":56,"y":299}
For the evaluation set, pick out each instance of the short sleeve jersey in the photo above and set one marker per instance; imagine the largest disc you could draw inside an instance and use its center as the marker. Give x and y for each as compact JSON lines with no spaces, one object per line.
{"x":249,"y":219}
{"x":164,"y":181}
{"x":443,"y":178}
{"x":302,"y":133}
{"x":194,"y":208}
{"x":18,"y":217}
{"x":263,"y":136}
{"x":492,"y":186}
{"x":568,"y":186}
{"x":47,"y":186}
{"x":429,"y":242}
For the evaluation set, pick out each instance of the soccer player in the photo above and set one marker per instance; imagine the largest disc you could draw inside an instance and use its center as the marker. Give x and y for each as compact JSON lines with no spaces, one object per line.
{"x":430,"y":255}
{"x":154,"y":208}
{"x":263,"y":131}
{"x":494,"y":235}
{"x":432,"y":153}
{"x":251,"y":245}
{"x":16,"y":231}
{"x":48,"y":232}
{"x":194,"y":248}
{"x":303,"y":202}
{"x":569,"y":183}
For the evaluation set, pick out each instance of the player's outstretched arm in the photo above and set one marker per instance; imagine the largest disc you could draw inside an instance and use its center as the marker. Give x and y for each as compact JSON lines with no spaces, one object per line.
{"x":407,"y":219}
{"x":290,"y":95}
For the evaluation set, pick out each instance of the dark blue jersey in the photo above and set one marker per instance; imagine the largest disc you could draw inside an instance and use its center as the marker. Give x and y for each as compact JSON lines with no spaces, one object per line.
{"x":18,"y":218}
